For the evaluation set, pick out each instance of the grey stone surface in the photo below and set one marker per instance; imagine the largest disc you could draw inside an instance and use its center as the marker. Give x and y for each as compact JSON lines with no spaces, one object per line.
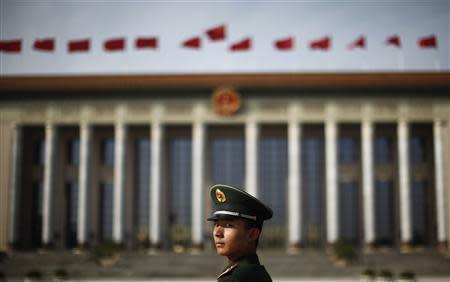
{"x":308,"y":265}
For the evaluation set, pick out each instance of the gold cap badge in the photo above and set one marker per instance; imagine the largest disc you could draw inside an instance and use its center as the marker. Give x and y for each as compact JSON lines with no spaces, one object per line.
{"x":220,"y":196}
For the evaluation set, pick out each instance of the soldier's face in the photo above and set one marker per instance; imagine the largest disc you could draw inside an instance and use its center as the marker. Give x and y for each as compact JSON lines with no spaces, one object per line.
{"x":234,"y":239}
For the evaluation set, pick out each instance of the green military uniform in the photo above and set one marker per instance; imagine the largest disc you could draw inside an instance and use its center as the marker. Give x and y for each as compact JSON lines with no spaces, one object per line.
{"x":232,"y":202}
{"x":245,"y":269}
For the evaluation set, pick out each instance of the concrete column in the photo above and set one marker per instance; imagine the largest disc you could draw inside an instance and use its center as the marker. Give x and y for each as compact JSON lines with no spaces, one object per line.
{"x":83,"y":180}
{"x":294,"y":184}
{"x":155,"y":185}
{"x":440,"y":187}
{"x":47,"y":201}
{"x":368,"y":182}
{"x":251,"y":157}
{"x":14,"y":196}
{"x":331,"y":181}
{"x":404,"y":182}
{"x":198,"y":189}
{"x":119,"y":180}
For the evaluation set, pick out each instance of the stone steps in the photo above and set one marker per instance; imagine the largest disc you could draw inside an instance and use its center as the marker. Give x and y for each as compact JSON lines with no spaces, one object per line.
{"x":140,"y":265}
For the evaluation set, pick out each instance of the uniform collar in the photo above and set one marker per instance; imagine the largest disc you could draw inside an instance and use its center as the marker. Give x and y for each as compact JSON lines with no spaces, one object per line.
{"x":250,"y":259}
{"x":244,"y":260}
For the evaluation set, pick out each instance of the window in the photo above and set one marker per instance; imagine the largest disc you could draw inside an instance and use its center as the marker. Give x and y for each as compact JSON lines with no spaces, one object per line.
{"x":228,"y":157}
{"x":107,"y":151}
{"x":71,"y":212}
{"x":39,"y":152}
{"x":36,"y":213}
{"x":383,"y":152}
{"x":347,"y":149}
{"x":180,"y":166}
{"x":143,"y":183}
{"x":419,"y":208}
{"x":312,"y":174}
{"x":180,"y":179}
{"x":348,"y":212}
{"x":417,"y":149}
{"x":73,"y":152}
{"x":384,"y":205}
{"x":273,"y":174}
{"x":106,"y":210}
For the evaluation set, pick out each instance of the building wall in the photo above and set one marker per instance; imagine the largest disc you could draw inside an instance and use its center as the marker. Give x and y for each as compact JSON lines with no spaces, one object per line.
{"x":176,"y":111}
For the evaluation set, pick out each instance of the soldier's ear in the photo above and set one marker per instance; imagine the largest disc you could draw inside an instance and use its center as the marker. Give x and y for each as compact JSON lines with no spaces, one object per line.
{"x":253,"y":234}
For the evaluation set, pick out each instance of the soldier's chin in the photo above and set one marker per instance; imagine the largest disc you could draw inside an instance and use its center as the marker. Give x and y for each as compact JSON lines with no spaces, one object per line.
{"x":221,"y":252}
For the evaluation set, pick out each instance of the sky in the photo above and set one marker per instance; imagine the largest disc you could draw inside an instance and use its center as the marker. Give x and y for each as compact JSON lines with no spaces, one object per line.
{"x":263,"y":21}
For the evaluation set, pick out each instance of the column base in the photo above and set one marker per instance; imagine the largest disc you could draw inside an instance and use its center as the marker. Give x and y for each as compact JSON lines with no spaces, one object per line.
{"x":369,"y":248}
{"x":11,"y":247}
{"x":406,"y":248}
{"x":154,"y":249}
{"x":45,"y":248}
{"x":329,"y":248}
{"x":196,"y":249}
{"x":294,"y":248}
{"x":80,"y":249}
{"x":443,"y":247}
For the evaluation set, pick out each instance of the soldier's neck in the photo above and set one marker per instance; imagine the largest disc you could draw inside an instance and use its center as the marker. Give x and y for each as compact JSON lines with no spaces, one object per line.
{"x":232,"y":260}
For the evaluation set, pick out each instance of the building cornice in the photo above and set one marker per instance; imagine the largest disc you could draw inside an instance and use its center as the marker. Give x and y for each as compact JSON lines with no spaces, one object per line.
{"x":436,"y":80}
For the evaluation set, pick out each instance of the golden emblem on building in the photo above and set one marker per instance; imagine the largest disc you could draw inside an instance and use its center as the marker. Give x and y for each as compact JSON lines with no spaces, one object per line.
{"x":226,"y":101}
{"x":220,"y":196}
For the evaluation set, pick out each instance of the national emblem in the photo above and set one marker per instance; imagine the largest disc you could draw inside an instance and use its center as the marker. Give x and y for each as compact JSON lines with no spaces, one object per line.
{"x":220,"y":196}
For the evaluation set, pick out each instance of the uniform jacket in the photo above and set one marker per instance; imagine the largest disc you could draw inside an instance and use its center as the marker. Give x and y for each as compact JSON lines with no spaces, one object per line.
{"x":245,"y":269}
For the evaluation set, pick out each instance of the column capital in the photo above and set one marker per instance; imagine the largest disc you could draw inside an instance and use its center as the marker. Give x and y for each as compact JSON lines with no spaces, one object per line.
{"x":49,"y":125}
{"x":50,"y":114}
{"x":121,"y":112}
{"x":199,"y":110}
{"x":294,"y":111}
{"x":330,"y":111}
{"x":403,"y":111}
{"x":85,"y":113}
{"x":367,"y":112}
{"x":157,"y":111}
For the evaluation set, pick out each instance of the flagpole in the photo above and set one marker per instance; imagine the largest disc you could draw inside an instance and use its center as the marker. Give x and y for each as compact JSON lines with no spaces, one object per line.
{"x":364,"y":65}
{"x":437,"y":63}
{"x":401,"y":60}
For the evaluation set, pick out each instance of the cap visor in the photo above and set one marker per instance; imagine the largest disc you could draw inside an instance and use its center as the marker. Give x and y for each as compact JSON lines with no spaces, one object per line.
{"x":223,"y":217}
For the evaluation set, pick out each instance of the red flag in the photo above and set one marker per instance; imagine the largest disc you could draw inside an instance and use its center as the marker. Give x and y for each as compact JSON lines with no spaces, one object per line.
{"x":394,"y":40}
{"x":216,"y":33}
{"x":360,"y":42}
{"x":242,"y":45}
{"x":285,"y":44}
{"x":322,"y":44}
{"x":193,"y":43}
{"x":115,"y":44}
{"x":47,"y":44}
{"x":79,"y":45}
{"x":11,"y":46}
{"x":146,"y":43}
{"x":427,"y":42}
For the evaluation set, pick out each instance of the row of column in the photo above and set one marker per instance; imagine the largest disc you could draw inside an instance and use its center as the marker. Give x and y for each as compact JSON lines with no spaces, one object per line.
{"x":251,"y":180}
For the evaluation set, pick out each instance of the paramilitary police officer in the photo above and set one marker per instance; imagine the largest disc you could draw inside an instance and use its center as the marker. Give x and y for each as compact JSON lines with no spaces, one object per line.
{"x":238,"y":219}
